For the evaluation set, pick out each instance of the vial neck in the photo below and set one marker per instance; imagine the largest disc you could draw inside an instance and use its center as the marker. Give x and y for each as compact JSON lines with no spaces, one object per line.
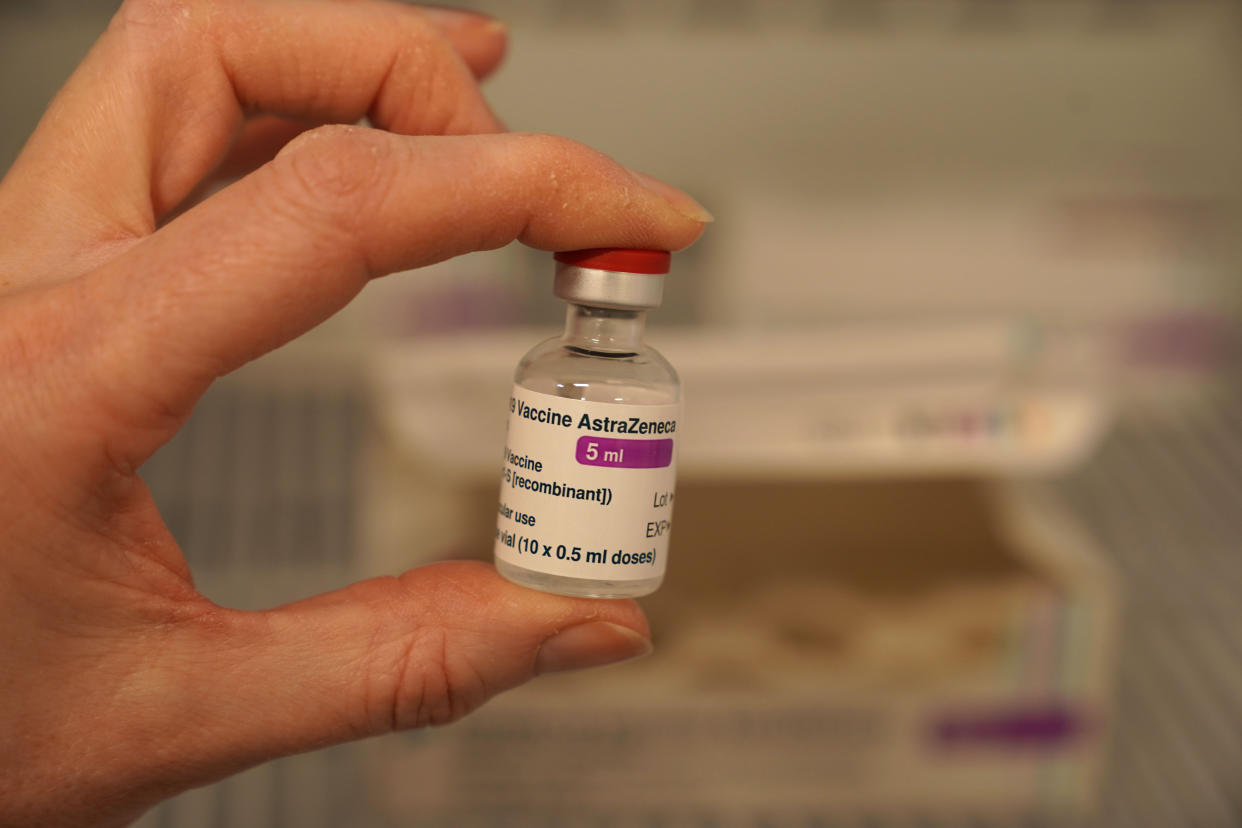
{"x":604,"y":330}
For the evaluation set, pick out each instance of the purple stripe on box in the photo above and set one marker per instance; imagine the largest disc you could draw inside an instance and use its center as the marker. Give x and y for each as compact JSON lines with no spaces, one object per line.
{"x":1032,"y":727}
{"x":624,"y":454}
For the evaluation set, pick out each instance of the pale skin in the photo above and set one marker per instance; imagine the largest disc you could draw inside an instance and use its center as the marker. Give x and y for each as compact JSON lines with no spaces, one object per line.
{"x":120,"y":684}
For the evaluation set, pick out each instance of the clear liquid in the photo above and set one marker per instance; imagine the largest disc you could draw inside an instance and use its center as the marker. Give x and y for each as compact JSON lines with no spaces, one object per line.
{"x":577,"y":587}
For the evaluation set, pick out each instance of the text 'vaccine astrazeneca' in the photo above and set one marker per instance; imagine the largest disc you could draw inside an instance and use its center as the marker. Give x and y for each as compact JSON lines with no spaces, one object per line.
{"x":586,"y":496}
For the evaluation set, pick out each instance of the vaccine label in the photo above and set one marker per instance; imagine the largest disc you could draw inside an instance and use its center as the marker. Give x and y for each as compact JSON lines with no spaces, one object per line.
{"x":587,"y":488}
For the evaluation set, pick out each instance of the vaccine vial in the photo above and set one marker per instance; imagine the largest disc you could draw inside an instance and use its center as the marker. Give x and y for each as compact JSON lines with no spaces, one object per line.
{"x":586,"y":495}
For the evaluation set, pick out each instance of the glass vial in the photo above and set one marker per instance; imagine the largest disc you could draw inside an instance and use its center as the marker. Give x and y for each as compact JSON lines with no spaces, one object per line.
{"x":586,"y":496}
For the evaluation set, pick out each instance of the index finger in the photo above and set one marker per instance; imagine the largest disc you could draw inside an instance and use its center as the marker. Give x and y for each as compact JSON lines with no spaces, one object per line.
{"x":270,"y":257}
{"x":156,"y":103}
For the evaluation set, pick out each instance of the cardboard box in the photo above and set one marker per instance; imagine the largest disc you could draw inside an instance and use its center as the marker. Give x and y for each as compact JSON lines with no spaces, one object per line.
{"x":822,"y":648}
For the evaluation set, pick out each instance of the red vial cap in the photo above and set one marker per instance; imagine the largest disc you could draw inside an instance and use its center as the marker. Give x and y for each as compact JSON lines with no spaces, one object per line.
{"x":618,"y":259}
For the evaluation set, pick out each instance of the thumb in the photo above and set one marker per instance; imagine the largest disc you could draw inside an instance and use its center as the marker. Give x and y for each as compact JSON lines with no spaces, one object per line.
{"x":386,"y":654}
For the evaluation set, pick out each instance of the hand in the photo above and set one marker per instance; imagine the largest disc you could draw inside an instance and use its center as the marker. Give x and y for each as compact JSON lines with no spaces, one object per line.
{"x":119,"y":683}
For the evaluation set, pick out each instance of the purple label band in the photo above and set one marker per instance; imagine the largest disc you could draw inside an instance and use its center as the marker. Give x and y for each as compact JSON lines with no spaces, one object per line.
{"x":1035,"y":727}
{"x":624,"y":454}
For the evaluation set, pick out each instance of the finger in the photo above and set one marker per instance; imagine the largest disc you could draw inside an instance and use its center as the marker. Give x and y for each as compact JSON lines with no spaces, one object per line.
{"x":326,"y":62}
{"x":157,"y":102}
{"x":480,"y":40}
{"x":257,"y":143}
{"x":278,"y":252}
{"x":223,"y":690}
{"x":423,"y":649}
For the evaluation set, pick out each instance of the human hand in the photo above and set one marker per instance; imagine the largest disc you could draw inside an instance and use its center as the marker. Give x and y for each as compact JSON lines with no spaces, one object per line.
{"x":119,"y":683}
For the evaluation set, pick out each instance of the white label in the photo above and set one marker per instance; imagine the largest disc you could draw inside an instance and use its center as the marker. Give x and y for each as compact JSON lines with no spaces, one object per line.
{"x":587,"y":488}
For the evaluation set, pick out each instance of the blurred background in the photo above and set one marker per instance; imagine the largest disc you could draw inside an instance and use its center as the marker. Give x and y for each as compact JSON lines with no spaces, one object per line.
{"x":958,"y":518}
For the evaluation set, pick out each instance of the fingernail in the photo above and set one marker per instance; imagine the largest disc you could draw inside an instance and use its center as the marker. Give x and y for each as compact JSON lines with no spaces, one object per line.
{"x":590,"y":645}
{"x":450,"y":18}
{"x":680,"y":201}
